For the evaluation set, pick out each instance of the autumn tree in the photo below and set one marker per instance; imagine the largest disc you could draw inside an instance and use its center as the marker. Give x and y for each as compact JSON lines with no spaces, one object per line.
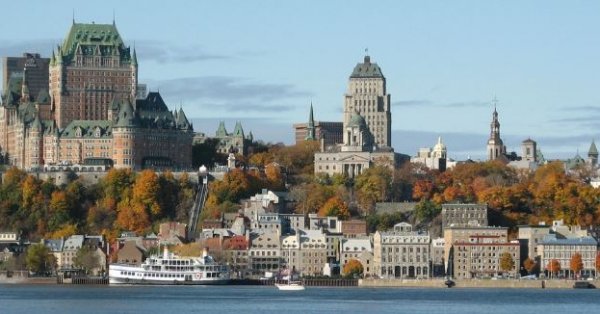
{"x":335,"y":207}
{"x":145,"y":192}
{"x":576,"y":264}
{"x":373,"y":185}
{"x":132,"y":217}
{"x":353,"y":268}
{"x":507,"y":263}
{"x":39,"y":260}
{"x":553,"y":267}
{"x":529,"y":265}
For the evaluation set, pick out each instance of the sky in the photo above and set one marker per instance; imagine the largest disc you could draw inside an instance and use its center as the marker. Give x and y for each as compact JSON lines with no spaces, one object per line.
{"x":264,"y":62}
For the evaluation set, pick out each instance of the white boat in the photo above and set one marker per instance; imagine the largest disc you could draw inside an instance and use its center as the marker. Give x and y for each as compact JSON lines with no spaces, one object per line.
{"x":290,"y":286}
{"x":170,"y":269}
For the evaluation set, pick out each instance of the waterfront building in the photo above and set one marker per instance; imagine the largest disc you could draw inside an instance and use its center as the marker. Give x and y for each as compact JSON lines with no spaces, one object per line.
{"x":437,"y":257}
{"x":480,"y":257}
{"x":235,"y":253}
{"x":553,"y":246}
{"x":454,"y":235}
{"x":402,"y":252}
{"x":530,"y":238}
{"x":131,"y":253}
{"x":463,"y":215}
{"x":360,"y":249}
{"x":265,"y":253}
{"x":306,"y":252}
{"x":89,"y":113}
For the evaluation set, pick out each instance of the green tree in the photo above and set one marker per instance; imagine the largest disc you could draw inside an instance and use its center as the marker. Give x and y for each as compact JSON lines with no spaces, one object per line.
{"x":39,"y":260}
{"x":507,"y":263}
{"x":87,"y":259}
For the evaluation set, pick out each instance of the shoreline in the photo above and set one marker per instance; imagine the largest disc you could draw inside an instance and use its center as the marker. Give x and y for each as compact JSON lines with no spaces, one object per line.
{"x":386,"y":283}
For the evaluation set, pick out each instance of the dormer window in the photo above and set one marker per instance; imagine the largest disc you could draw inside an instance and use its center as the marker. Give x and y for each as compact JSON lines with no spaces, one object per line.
{"x":97,"y":132}
{"x":78,"y":132}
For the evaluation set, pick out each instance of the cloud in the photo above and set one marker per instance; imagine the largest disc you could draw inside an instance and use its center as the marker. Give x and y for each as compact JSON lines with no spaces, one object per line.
{"x":232,"y":94}
{"x":582,"y":108}
{"x":17,"y":48}
{"x":410,"y":103}
{"x":463,"y":104}
{"x":425,"y":102}
{"x":151,"y":50}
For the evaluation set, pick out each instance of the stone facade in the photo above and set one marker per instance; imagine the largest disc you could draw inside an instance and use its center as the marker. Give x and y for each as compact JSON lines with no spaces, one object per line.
{"x":433,"y":158}
{"x":89,"y":114}
{"x":562,"y":249}
{"x":463,"y":215}
{"x":360,"y":249}
{"x":480,"y":256}
{"x":327,"y":133}
{"x":454,"y":235}
{"x":366,"y":129}
{"x":401,"y":253}
{"x":367,"y":96}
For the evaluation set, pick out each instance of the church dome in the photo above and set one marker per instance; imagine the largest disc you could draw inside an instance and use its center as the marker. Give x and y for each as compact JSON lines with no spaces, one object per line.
{"x":357,"y":121}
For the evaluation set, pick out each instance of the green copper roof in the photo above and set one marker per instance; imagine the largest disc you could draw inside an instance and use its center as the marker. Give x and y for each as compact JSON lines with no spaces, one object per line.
{"x":238,"y":130}
{"x":221,"y":131}
{"x":88,"y":128}
{"x":93,"y":39}
{"x":357,"y":121}
{"x":367,"y":70}
{"x":36,"y":124}
{"x":126,"y":117}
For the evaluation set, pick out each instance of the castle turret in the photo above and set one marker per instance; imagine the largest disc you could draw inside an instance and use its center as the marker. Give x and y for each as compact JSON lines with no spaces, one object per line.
{"x":593,"y":154}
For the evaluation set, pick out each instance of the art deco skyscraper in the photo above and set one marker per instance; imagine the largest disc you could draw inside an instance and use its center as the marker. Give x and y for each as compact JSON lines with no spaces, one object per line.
{"x":368,"y":97}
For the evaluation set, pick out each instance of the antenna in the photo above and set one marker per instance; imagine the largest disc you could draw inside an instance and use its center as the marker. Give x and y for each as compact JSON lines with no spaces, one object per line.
{"x":114,"y":23}
{"x":73,"y":16}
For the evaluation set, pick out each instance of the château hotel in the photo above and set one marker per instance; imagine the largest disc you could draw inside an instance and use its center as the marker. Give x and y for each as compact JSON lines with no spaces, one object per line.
{"x":81,"y":107}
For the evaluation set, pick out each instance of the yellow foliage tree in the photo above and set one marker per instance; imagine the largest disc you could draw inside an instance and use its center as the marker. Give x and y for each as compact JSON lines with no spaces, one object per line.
{"x":64,"y":231}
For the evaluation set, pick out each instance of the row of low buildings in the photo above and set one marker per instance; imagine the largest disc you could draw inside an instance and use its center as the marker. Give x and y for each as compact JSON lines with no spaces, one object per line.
{"x":262,"y":239}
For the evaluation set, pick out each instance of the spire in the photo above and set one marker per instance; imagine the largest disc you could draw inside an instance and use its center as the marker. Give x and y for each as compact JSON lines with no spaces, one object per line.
{"x":114,"y":22}
{"x":134,"y":57}
{"x":310,"y":129}
{"x":593,"y":151}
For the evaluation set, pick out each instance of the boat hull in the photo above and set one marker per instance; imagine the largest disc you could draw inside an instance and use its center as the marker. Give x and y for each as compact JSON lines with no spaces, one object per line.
{"x":290,"y":287}
{"x":145,"y":281}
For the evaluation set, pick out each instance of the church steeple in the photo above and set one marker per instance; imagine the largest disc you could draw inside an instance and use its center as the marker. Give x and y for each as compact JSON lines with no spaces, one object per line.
{"x":495,"y":146}
{"x":593,"y":154}
{"x":310,"y":128}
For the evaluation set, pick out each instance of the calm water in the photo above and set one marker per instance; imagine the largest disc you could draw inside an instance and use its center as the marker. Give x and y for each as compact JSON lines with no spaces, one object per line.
{"x":264,"y":299}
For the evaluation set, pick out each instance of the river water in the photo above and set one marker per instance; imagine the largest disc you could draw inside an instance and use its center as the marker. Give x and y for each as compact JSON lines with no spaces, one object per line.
{"x":267,"y":299}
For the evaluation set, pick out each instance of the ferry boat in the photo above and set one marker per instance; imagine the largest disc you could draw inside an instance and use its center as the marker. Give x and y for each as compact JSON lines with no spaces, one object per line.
{"x":170,"y":269}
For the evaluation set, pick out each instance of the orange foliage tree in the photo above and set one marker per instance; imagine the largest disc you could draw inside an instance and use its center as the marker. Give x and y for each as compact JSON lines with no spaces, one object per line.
{"x":335,"y":206}
{"x":553,"y":266}
{"x":353,"y":267}
{"x":576,"y":264}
